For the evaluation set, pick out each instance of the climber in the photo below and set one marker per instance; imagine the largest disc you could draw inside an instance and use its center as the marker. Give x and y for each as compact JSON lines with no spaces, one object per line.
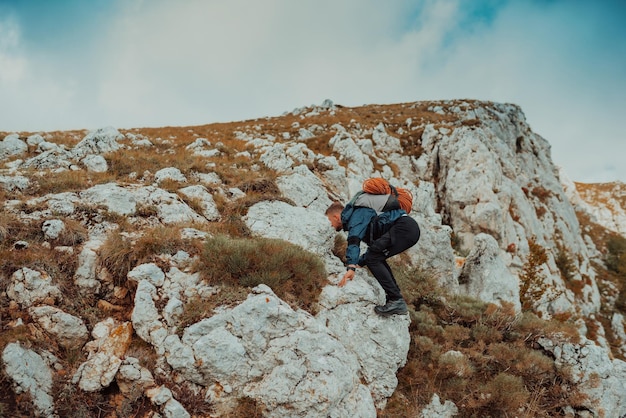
{"x":386,"y":231}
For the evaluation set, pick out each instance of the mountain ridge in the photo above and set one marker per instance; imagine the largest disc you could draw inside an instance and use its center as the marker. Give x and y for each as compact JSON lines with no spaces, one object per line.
{"x":487,"y":197}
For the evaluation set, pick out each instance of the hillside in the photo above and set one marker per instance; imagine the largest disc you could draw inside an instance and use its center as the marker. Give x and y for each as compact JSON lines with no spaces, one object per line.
{"x":190,"y":271}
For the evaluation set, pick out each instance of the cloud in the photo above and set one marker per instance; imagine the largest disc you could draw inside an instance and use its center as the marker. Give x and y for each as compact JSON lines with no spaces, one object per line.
{"x":156,"y":63}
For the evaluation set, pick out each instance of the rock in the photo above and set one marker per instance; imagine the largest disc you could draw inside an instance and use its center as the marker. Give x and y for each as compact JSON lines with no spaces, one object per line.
{"x":204,"y":199}
{"x":12,"y":145}
{"x":95,"y":163}
{"x":360,"y":165}
{"x":146,"y":318}
{"x":54,"y":158}
{"x":116,"y":199}
{"x":69,"y":331}
{"x":63,"y":204}
{"x":170,"y":207}
{"x":170,"y":173}
{"x":264,"y":350}
{"x":30,"y":373}
{"x":100,"y":141}
{"x":52,"y":228}
{"x":170,"y":407}
{"x":601,"y":379}
{"x":28,"y":287}
{"x":150,"y":272}
{"x":21,"y":245}
{"x":12,"y":183}
{"x":199,"y":147}
{"x":208,"y":178}
{"x":85,"y":276}
{"x":384,"y":141}
{"x":276,"y":158}
{"x":380,"y":344}
{"x":35,"y":139}
{"x":485,"y":275}
{"x":304,"y":189}
{"x":438,"y":410}
{"x":132,"y":376}
{"x":304,"y":227}
{"x":106,"y":350}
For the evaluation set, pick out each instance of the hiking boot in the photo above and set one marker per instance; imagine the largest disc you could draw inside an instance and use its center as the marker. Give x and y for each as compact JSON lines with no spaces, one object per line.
{"x":394,"y":307}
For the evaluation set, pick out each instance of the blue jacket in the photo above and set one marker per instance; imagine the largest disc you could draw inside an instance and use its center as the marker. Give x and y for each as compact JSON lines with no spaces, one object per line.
{"x":356,"y":220}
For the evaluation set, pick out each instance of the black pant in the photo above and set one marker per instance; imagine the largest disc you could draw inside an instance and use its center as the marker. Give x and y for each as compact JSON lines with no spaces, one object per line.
{"x":403,"y":235}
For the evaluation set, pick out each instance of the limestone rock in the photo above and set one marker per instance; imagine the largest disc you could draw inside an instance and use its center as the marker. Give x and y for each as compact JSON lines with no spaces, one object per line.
{"x":307,"y":228}
{"x":485,"y":275}
{"x":12,"y":145}
{"x":99,"y":141}
{"x":264,"y":350}
{"x":380,"y":344}
{"x":202,"y":147}
{"x":105,"y":353}
{"x":592,"y":371}
{"x":150,"y":272}
{"x":95,"y":163}
{"x":85,"y":276}
{"x":171,"y":408}
{"x":30,"y":373}
{"x":28,"y":287}
{"x":116,"y":199}
{"x":204,"y":198}
{"x":435,"y":409}
{"x":169,"y":173}
{"x":52,"y":228}
{"x":69,"y":330}
{"x":304,"y":189}
{"x":12,"y":183}
{"x":146,"y":317}
{"x":131,"y":375}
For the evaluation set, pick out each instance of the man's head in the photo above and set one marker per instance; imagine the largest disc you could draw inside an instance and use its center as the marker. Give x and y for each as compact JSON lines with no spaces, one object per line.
{"x":333,"y":213}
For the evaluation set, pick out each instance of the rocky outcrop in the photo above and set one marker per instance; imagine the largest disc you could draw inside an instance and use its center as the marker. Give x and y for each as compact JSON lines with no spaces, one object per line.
{"x":600,"y":378}
{"x":483,"y":185}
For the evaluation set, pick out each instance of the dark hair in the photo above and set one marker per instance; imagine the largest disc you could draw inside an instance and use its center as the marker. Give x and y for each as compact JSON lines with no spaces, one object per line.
{"x":334,"y":207}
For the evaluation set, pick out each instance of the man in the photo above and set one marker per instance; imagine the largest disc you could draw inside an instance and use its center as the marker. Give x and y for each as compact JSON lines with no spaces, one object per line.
{"x":378,"y":221}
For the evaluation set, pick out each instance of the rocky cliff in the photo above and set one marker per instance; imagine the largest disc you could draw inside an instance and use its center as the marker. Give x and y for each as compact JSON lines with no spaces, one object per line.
{"x":113,"y":292}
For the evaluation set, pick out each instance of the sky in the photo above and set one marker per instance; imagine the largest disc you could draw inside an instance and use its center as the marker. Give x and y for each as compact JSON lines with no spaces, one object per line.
{"x":77,"y":64}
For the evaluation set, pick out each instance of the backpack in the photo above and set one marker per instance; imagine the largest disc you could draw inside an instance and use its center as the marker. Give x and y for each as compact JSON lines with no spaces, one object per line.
{"x":398,"y":198}
{"x":377,"y":185}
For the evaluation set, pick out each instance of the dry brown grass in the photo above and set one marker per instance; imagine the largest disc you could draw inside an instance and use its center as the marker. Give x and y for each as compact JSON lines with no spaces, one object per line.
{"x":502,"y":372}
{"x":294,"y":274}
{"x":197,"y":308}
{"x":120,"y":254}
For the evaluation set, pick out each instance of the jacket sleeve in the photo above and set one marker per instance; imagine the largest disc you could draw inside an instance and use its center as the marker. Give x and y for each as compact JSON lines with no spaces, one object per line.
{"x":357,"y":227}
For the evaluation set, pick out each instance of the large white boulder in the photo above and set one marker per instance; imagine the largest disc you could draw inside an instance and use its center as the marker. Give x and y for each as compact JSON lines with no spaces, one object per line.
{"x":12,"y":145}
{"x":485,"y":275}
{"x":69,"y":330}
{"x":115,"y":198}
{"x":99,"y":141}
{"x":11,"y":183}
{"x":169,"y":173}
{"x":106,"y":350}
{"x":307,"y":228}
{"x":594,"y":373}
{"x":380,"y":344}
{"x":305,"y":189}
{"x":28,"y":287}
{"x":30,"y":373}
{"x":265,"y":350}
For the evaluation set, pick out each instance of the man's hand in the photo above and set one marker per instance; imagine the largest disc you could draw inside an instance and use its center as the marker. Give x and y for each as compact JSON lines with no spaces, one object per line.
{"x":348,"y":276}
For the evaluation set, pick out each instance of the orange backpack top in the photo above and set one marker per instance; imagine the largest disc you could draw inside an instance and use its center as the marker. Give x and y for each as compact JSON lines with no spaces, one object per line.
{"x":377,"y":185}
